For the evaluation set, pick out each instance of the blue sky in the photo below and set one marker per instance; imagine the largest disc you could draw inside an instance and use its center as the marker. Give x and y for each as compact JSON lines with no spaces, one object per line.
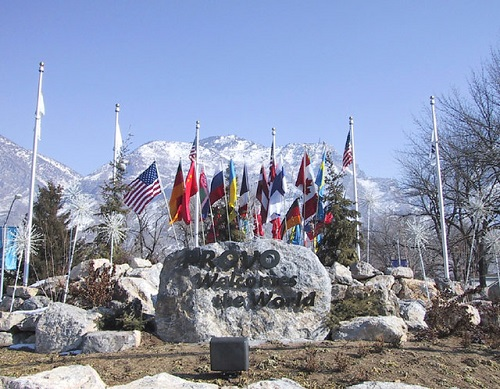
{"x":240,"y":67}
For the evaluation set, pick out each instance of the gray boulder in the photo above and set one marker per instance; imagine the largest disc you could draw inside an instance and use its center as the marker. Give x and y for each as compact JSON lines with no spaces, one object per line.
{"x":402,"y":272}
{"x":61,"y":328}
{"x":363,"y":270}
{"x":128,"y":289}
{"x":340,"y":274}
{"x":390,"y":329}
{"x":6,"y":339}
{"x":74,"y":377}
{"x":110,"y":341}
{"x":263,"y":289}
{"x":35,"y":302}
{"x":164,"y":380}
{"x":413,"y":313}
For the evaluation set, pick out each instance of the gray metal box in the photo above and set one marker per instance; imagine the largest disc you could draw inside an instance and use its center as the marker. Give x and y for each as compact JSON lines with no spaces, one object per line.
{"x":229,"y":354}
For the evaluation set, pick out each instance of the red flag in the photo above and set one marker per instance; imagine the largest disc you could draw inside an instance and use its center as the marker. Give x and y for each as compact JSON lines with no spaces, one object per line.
{"x":175,"y":203}
{"x":305,"y":182}
{"x":258,"y":229}
{"x":191,"y":190}
{"x":276,"y":229}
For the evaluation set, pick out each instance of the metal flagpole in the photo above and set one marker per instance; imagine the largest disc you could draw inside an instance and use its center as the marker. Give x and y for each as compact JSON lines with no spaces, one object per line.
{"x":118,"y":141}
{"x":38,"y":119}
{"x":356,"y":207}
{"x":196,"y":177}
{"x":440,"y":193}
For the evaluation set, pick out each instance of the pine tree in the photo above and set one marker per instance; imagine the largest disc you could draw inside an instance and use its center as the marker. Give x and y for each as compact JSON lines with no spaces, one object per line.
{"x":52,"y":257}
{"x":339,"y":240}
{"x":112,"y":193}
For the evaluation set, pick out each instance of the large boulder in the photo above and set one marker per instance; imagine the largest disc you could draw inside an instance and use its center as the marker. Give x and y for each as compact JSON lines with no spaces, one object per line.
{"x":363,"y":270}
{"x":390,"y":329}
{"x":165,"y":380}
{"x":150,"y":274}
{"x":110,"y":341}
{"x":82,"y":269}
{"x":402,"y":272}
{"x":263,"y":289}
{"x":412,"y":289}
{"x":413,"y":313}
{"x":340,"y":274}
{"x":128,"y":289}
{"x":383,"y":300}
{"x":61,"y":328}
{"x":74,"y":377}
{"x":381,"y":281}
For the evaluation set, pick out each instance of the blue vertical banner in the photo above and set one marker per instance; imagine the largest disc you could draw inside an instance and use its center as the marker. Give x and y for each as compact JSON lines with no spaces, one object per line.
{"x":10,"y":247}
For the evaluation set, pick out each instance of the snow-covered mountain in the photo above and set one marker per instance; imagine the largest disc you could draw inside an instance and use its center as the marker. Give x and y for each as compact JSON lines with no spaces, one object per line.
{"x":15,"y":165}
{"x":214,"y":154}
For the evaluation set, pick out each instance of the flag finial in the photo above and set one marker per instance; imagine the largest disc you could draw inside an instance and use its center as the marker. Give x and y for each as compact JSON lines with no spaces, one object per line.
{"x":117,"y":107}
{"x":351,"y":120}
{"x":42,"y":65}
{"x":197,"y":124}
{"x":432,"y":100}
{"x":273,"y":131}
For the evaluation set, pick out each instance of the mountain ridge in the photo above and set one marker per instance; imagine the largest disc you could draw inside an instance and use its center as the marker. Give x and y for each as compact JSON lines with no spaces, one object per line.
{"x":214,"y":153}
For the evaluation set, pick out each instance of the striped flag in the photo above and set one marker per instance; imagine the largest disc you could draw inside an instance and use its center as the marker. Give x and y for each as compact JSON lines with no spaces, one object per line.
{"x":347,"y":157}
{"x":244,"y":194}
{"x":217,"y":189}
{"x":193,"y":152}
{"x":305,"y":182}
{"x":175,"y":203}
{"x":143,"y":189}
{"x":263,"y":194}
{"x":292,"y":218}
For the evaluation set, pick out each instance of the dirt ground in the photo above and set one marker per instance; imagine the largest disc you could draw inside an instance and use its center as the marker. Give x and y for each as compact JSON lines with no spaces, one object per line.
{"x":445,"y":363}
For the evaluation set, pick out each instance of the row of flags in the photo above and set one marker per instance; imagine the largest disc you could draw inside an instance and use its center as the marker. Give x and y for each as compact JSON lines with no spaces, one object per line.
{"x":270,"y":192}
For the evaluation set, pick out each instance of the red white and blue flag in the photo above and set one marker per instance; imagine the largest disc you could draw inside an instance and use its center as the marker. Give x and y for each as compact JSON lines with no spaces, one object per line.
{"x":143,"y":189}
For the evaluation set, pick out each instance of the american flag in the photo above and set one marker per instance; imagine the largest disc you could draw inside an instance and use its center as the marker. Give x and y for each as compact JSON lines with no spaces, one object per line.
{"x":143,"y":189}
{"x":347,"y":158}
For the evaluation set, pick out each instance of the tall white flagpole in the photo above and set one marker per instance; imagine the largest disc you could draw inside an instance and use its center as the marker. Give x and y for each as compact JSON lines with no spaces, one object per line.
{"x":118,"y":141}
{"x":440,"y":193}
{"x":38,"y":119}
{"x":356,"y":206}
{"x":197,"y":178}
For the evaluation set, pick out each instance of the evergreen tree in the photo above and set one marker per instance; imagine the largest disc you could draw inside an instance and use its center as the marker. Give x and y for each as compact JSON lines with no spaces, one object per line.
{"x":112,"y":193}
{"x":53,"y":254}
{"x":338,"y":243}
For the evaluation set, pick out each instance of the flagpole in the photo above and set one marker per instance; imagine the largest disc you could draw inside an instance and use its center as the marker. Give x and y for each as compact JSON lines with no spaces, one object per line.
{"x":440,"y":193}
{"x":196,"y":177}
{"x":116,"y":149}
{"x":38,"y":119}
{"x":356,"y":207}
